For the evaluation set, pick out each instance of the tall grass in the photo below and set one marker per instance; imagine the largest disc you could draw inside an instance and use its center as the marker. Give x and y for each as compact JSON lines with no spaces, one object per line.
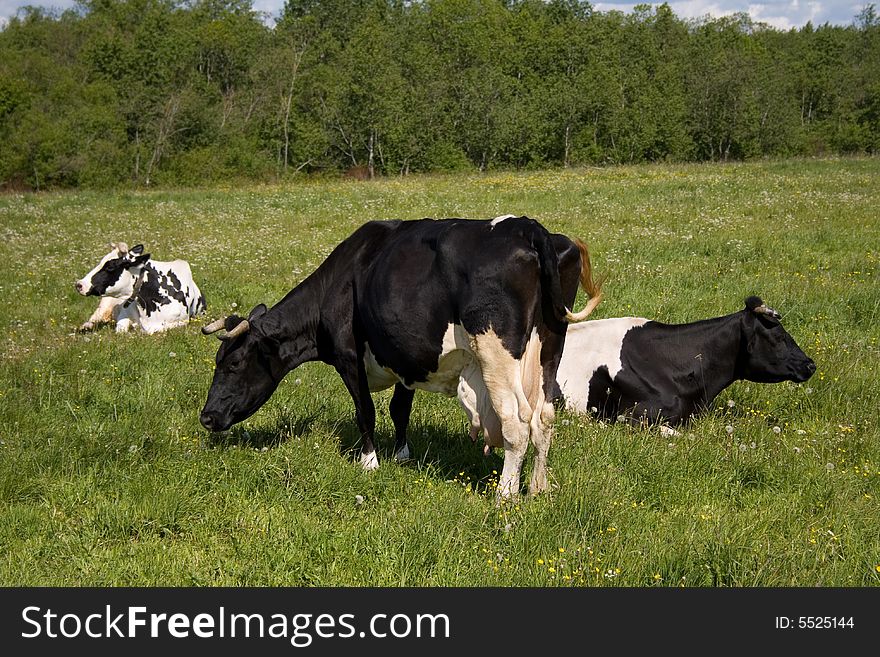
{"x":106,"y":477}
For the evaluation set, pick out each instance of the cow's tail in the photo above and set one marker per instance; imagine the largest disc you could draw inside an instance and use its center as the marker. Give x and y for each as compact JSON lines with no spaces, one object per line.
{"x":593,"y":287}
{"x":552,"y":282}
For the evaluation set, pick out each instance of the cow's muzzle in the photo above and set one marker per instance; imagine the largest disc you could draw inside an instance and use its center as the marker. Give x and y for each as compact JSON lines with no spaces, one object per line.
{"x":805,"y":371}
{"x":209,"y":421}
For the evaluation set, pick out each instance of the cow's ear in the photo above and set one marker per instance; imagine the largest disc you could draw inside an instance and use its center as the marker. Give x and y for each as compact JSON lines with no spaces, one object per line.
{"x":137,"y":250}
{"x":141,"y":259}
{"x":753,"y":302}
{"x":258,"y":311}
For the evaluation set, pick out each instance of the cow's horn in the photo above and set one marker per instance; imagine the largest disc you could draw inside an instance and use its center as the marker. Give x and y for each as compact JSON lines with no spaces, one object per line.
{"x":214,"y":326}
{"x":764,"y":309}
{"x":243,"y":327}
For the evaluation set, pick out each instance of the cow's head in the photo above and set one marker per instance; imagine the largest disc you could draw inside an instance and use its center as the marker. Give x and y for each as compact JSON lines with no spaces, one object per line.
{"x":768,"y":354}
{"x":116,"y":274}
{"x":247,"y":372}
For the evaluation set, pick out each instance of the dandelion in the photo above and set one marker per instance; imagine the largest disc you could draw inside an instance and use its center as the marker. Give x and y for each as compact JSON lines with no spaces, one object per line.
{"x":358,"y":499}
{"x":730,"y":403}
{"x":877,"y":567}
{"x":777,"y":430}
{"x":797,"y":450}
{"x":729,"y":429}
{"x":829,"y":466}
{"x":742,"y":447}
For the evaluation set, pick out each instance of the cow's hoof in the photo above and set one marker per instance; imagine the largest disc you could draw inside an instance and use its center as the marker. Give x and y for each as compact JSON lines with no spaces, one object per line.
{"x":369,"y":461}
{"x":403,"y":454}
{"x":85,"y":328}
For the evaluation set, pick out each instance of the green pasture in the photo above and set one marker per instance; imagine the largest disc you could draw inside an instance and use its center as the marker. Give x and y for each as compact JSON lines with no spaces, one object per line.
{"x":107,"y":478}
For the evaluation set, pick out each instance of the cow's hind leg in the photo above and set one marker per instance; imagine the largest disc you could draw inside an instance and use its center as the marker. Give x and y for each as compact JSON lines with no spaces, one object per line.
{"x":400,"y":407}
{"x":541,"y":424}
{"x":541,"y":435}
{"x":501,"y":375}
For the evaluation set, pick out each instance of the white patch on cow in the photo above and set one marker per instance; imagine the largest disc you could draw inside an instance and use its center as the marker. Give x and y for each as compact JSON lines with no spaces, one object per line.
{"x":378,"y":377}
{"x":589,"y":346}
{"x":499,"y":219}
{"x":456,"y":353}
{"x":369,"y":461}
{"x":509,"y":382}
{"x":402,"y":454}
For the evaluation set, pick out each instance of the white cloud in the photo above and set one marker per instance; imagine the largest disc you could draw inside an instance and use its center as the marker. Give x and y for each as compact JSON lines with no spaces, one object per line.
{"x":782,"y":14}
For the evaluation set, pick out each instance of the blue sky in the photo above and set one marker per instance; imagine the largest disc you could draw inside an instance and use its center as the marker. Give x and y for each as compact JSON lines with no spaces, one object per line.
{"x":779,"y":13}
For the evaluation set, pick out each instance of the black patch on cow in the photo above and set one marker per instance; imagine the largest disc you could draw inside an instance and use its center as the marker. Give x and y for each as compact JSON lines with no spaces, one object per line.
{"x":107,"y":276}
{"x":150,"y":295}
{"x":603,"y":396}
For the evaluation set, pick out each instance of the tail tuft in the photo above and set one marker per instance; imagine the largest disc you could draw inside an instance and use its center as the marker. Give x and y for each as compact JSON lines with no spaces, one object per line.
{"x":593,"y":287}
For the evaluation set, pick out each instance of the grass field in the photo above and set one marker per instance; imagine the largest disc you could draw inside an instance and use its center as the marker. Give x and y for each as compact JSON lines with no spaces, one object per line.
{"x":107,"y":478}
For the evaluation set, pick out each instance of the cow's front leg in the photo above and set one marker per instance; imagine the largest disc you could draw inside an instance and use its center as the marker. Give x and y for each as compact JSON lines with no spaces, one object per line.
{"x":400,"y":407}
{"x":355,"y":379}
{"x":103,"y":314}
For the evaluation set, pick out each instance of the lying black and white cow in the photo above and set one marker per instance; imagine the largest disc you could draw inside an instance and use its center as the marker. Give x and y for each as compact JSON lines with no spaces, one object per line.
{"x":138,"y":291}
{"x":648,"y":371}
{"x":413,"y":304}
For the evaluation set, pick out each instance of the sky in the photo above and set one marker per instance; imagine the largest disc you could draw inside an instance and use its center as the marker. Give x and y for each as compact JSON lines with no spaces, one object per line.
{"x":782,"y":14}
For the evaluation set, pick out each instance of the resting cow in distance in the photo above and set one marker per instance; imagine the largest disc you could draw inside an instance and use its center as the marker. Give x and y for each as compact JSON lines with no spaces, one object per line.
{"x":413,"y":304}
{"x":665,"y":373}
{"x":138,"y":291}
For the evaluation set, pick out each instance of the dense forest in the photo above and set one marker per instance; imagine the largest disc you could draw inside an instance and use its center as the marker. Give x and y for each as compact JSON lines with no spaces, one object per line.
{"x":152,"y":92}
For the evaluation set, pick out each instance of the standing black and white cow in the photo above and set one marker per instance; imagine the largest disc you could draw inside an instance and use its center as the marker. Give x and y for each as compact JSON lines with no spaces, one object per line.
{"x":413,"y":304}
{"x":649,"y":371}
{"x":138,"y":291}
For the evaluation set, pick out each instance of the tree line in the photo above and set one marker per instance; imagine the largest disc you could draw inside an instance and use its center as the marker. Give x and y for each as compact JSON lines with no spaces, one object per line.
{"x":151,"y":92}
